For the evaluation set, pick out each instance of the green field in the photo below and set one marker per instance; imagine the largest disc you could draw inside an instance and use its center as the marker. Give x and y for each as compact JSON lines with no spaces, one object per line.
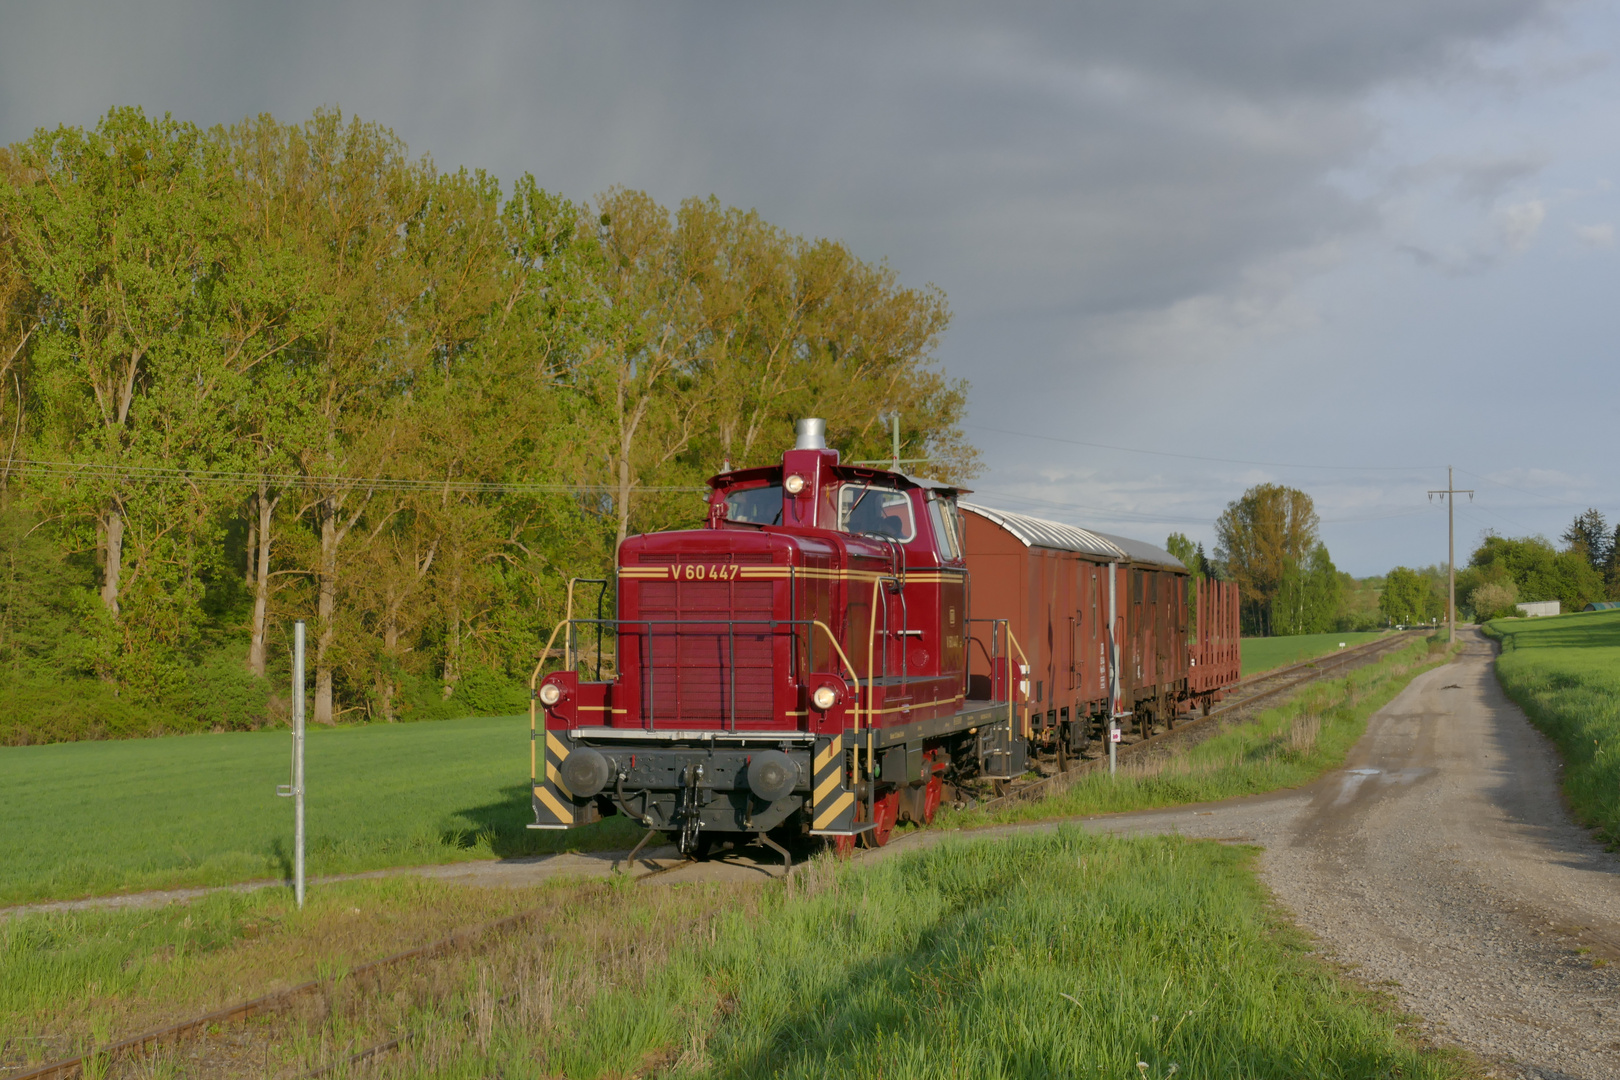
{"x":1263,"y":654}
{"x":98,"y":817}
{"x":1564,"y":672}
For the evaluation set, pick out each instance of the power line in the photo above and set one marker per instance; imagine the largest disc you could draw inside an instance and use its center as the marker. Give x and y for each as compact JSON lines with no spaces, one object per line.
{"x":1201,"y":457}
{"x":210,"y":477}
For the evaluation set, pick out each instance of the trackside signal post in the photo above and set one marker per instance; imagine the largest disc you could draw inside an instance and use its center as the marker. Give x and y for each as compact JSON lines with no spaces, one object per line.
{"x":295,"y":790}
{"x":1450,"y":495}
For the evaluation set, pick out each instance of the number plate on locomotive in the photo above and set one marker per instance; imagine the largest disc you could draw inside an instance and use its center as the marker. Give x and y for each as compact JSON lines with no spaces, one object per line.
{"x":701,"y":572}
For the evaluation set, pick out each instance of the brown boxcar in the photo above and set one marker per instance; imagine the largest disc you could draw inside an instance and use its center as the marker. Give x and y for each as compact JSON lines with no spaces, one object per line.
{"x":1071,"y":597}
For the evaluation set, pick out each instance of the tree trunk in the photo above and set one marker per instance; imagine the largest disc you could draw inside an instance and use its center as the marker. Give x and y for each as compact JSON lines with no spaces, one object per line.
{"x":452,"y":650}
{"x":385,"y":674}
{"x":252,"y":548}
{"x":114,"y":559}
{"x":260,"y":557}
{"x":325,"y":609}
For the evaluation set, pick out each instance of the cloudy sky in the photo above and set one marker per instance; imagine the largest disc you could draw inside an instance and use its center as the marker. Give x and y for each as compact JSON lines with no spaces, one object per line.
{"x":1189,"y":246}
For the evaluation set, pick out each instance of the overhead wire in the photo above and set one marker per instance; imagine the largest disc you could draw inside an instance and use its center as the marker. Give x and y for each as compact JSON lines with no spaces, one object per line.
{"x":1205,"y":457}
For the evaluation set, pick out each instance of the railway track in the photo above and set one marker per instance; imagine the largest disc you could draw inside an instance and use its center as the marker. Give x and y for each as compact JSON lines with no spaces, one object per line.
{"x":1252,"y":691}
{"x":460,"y":940}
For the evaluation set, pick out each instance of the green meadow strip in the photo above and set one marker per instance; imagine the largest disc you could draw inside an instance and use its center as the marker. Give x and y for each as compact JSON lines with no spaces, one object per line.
{"x":1564,"y":672}
{"x":1283,"y":747}
{"x":91,"y":818}
{"x":1265,"y":653}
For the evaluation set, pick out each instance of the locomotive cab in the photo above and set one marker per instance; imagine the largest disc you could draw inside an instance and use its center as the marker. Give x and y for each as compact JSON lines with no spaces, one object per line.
{"x":798,"y":664}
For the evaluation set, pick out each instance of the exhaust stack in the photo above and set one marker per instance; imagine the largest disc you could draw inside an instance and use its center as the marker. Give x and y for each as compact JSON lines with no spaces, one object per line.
{"x":811,"y":433}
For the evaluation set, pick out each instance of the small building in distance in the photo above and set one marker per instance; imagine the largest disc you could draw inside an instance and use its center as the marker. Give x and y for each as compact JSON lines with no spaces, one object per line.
{"x":1537,"y":608}
{"x":1603,"y":605}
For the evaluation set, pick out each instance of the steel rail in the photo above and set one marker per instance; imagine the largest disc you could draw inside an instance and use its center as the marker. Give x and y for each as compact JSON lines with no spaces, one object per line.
{"x":1371,"y":649}
{"x":455,"y":941}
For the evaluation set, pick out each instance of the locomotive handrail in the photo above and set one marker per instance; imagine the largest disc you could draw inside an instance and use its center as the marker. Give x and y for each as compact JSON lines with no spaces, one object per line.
{"x":852,"y":674}
{"x":1013,"y":639}
{"x":534,"y":680}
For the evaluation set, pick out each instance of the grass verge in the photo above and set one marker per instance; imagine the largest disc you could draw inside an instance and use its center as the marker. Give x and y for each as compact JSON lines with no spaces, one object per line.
{"x":1055,"y":955}
{"x":1263,"y":654}
{"x":1564,"y":672}
{"x":100,"y":817}
{"x":1283,"y":747}
{"x":72,"y":981}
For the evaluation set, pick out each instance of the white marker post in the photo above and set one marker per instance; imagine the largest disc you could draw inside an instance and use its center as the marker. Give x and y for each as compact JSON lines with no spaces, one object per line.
{"x":295,"y":790}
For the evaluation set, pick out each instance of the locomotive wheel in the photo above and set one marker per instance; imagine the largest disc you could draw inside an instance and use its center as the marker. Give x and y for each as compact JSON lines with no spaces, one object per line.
{"x":932,"y":793}
{"x":844,"y":846}
{"x":884,"y":814}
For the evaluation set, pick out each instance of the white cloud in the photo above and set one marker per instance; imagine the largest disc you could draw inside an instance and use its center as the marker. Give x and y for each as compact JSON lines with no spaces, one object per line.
{"x":1518,"y":223}
{"x":1596,"y":236}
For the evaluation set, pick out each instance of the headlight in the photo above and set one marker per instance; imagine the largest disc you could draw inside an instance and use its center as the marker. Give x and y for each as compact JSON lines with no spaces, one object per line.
{"x":794,"y":484}
{"x":824,"y":698}
{"x":550,"y":694}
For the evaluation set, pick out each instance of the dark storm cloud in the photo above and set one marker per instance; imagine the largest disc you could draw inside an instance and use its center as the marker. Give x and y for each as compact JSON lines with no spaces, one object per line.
{"x":1072,"y":159}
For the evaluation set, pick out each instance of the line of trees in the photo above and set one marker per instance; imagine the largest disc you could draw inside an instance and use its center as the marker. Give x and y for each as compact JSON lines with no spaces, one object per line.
{"x":275,"y":370}
{"x":1505,"y":571}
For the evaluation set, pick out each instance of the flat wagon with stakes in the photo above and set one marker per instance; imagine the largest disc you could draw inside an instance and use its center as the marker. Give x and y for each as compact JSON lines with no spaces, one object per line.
{"x":839,"y":645}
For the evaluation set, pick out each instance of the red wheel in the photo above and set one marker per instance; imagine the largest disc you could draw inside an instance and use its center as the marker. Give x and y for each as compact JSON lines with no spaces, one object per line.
{"x":844,"y":846}
{"x":931,"y":797}
{"x":884,"y":815}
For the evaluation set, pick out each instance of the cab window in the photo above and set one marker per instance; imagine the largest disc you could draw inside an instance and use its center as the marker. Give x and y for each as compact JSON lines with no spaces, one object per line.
{"x":756,"y":505}
{"x":876,"y":511}
{"x":943,"y":514}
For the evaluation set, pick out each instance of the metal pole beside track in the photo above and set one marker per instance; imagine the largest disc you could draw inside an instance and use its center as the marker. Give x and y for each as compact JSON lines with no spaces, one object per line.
{"x":298,"y":761}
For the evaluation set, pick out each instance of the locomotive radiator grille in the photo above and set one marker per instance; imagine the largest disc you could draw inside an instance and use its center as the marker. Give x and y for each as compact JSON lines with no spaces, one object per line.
{"x":703,"y":674}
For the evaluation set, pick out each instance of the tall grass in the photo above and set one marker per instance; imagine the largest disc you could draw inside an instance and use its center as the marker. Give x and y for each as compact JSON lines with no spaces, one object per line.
{"x":1564,"y":672}
{"x":1036,"y":956}
{"x":1284,"y":747}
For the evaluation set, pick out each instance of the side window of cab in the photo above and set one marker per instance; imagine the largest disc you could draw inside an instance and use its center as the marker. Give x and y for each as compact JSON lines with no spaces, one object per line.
{"x":942,"y":515}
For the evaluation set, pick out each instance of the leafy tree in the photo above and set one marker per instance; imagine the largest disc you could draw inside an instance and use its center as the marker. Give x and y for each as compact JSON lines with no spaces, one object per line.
{"x":1535,"y":569}
{"x":1308,"y":595}
{"x":1259,"y":538}
{"x":1588,"y":536}
{"x":1407,"y":597}
{"x":1492,"y":600}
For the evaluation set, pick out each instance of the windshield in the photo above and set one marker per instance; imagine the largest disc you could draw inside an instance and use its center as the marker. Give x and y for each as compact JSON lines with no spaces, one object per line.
{"x":876,"y":511}
{"x":755,"y":506}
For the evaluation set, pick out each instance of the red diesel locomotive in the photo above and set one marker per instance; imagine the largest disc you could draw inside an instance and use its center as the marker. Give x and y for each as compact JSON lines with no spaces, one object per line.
{"x":839,"y":642}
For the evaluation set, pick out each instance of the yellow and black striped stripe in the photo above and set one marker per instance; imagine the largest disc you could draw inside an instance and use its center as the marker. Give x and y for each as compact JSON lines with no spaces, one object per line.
{"x":832,"y":804}
{"x":553,"y":805}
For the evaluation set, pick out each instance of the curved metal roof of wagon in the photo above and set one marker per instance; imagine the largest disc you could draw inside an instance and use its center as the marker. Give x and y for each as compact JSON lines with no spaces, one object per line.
{"x":1143,"y":552}
{"x":1039,"y":532}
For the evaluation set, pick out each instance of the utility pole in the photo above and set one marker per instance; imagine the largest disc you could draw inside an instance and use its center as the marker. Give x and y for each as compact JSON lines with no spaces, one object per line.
{"x":1450,"y":495}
